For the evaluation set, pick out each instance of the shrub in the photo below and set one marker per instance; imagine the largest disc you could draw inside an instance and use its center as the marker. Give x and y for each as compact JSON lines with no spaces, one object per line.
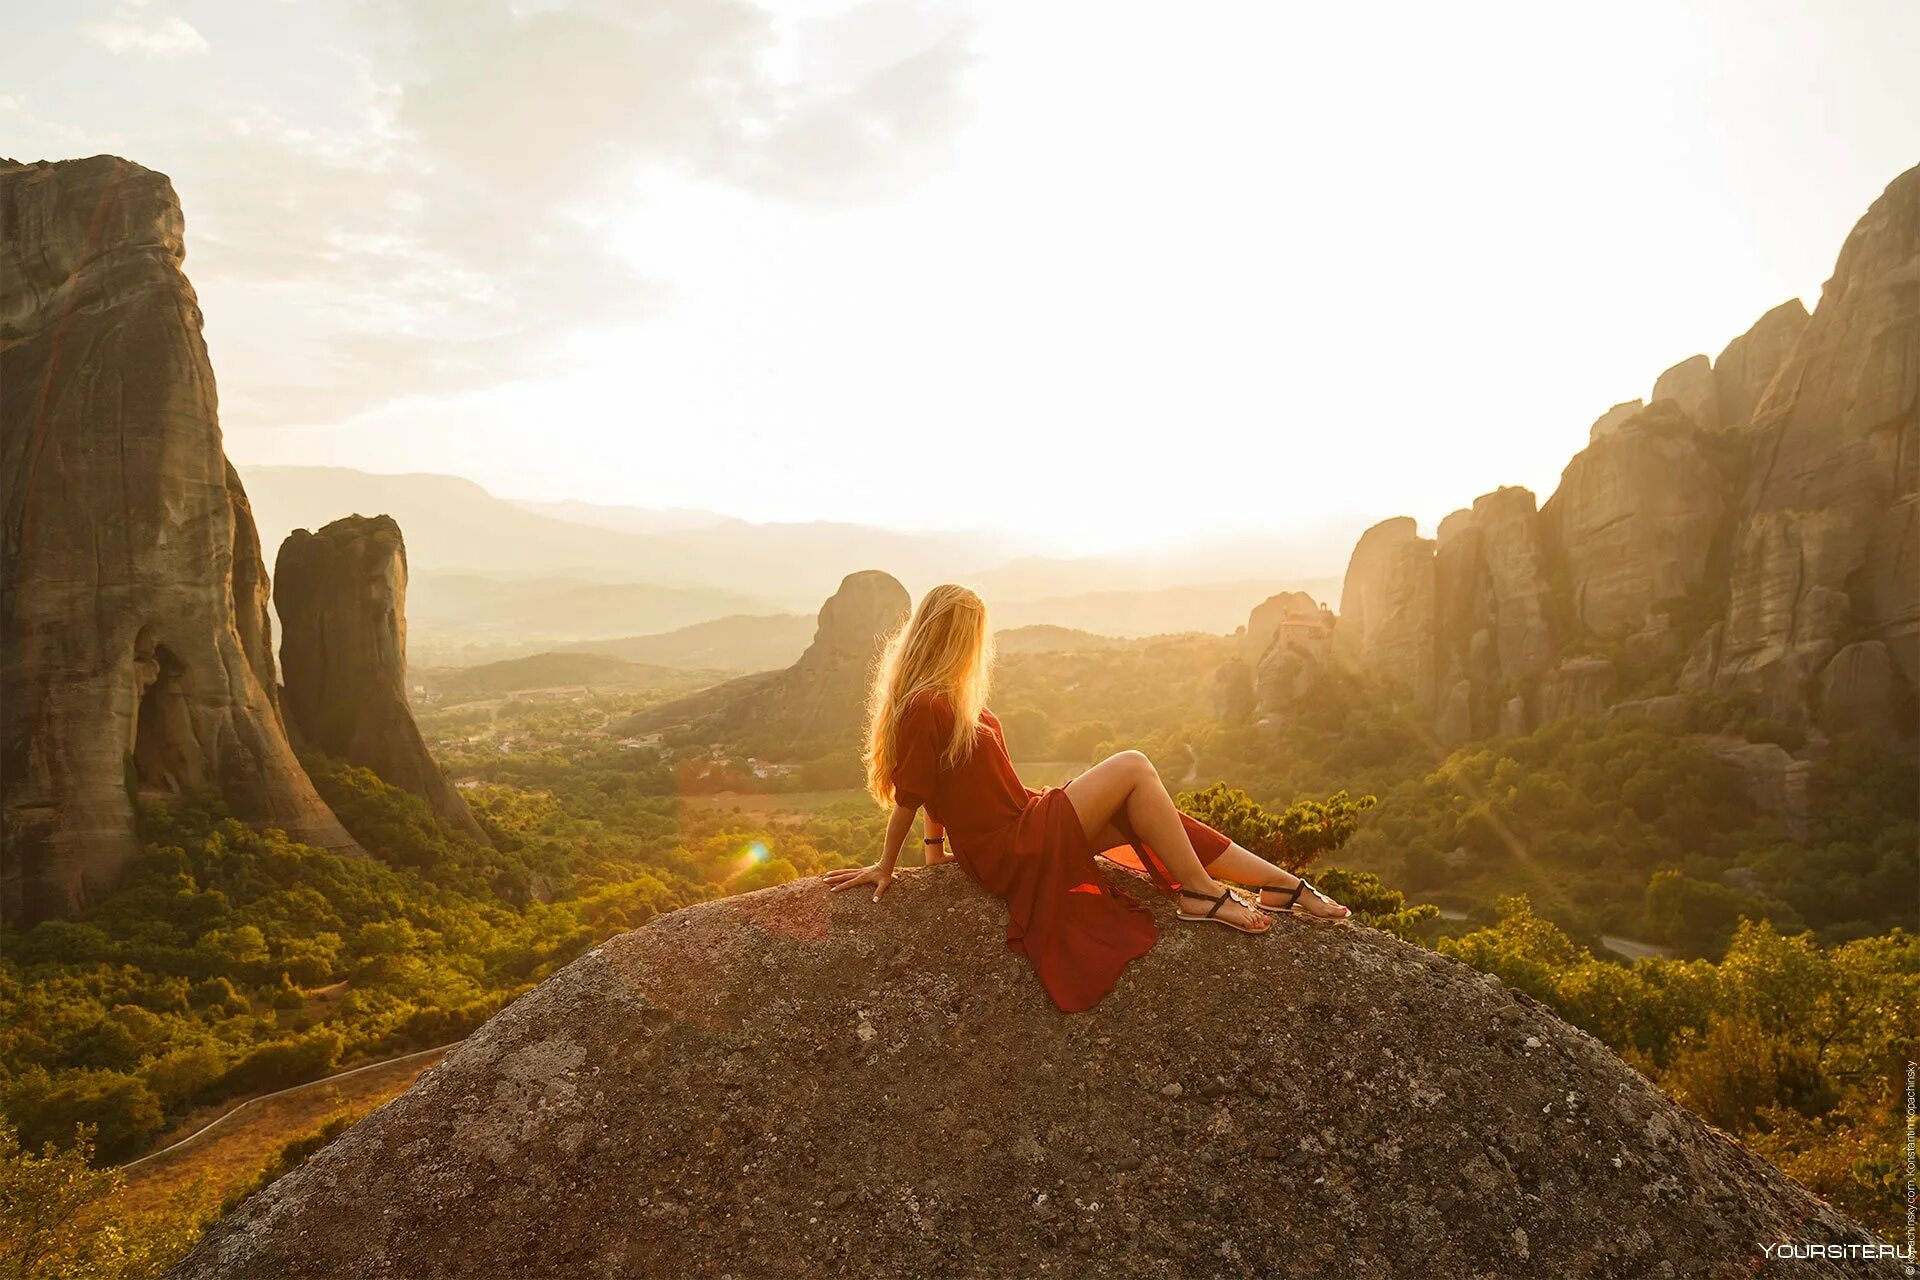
{"x":1294,"y":839}
{"x":284,"y":1063}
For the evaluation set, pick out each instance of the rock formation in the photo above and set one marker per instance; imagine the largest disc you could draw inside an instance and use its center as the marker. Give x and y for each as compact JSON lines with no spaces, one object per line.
{"x":1387,"y":607}
{"x":1753,"y":529}
{"x":1828,"y":545}
{"x":1774,"y":781}
{"x":1288,"y":642}
{"x":1749,"y":364}
{"x":821,"y":699}
{"x":1689,"y":388}
{"x":1862,"y":691}
{"x":1605,"y":424}
{"x":1498,"y":614}
{"x":137,"y":645}
{"x":1635,"y":517}
{"x":342,"y":595}
{"x":794,"y":1082}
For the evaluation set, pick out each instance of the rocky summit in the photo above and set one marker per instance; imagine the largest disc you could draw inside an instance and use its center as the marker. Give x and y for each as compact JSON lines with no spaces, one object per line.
{"x":798,"y":1083}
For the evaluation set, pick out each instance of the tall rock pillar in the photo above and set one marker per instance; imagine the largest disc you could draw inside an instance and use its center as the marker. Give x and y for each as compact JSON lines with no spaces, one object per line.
{"x":342,"y":596}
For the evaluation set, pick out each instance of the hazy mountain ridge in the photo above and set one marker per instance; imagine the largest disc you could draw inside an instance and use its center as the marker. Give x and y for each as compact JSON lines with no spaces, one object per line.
{"x":623,"y":519}
{"x":734,"y":643}
{"x":553,"y":608}
{"x":619,"y":572}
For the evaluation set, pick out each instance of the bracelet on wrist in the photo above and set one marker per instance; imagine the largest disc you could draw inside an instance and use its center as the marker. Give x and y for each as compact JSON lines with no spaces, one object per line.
{"x":934,"y":840}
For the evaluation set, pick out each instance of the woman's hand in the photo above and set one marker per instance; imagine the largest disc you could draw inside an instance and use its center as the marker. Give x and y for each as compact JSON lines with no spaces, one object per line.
{"x":879,"y":875}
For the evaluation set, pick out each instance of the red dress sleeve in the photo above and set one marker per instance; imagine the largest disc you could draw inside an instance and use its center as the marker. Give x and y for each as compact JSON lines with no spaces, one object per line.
{"x":923,"y":737}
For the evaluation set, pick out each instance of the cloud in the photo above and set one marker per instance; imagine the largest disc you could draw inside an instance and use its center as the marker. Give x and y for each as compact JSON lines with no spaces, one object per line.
{"x":160,"y":36}
{"x":444,"y":238}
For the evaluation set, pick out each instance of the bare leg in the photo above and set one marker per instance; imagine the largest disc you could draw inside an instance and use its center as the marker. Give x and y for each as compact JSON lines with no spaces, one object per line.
{"x":1128,"y":783}
{"x":1243,"y":866}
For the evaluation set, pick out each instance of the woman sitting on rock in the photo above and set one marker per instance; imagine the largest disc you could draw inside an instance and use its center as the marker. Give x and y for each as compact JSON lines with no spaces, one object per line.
{"x":932,"y":744}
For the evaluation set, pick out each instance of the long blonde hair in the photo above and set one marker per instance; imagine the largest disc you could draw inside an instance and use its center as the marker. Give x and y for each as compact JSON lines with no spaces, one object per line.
{"x":944,"y":646}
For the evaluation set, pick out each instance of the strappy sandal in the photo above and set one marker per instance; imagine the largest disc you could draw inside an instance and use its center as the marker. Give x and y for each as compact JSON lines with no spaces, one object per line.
{"x":1293,"y":892}
{"x":1225,"y":896}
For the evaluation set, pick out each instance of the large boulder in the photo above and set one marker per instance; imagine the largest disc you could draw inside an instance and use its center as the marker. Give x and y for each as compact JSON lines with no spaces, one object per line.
{"x":820,"y":700}
{"x":137,"y":642}
{"x":1635,"y":518}
{"x":799,"y":1083}
{"x":342,"y":598}
{"x":1775,"y":781}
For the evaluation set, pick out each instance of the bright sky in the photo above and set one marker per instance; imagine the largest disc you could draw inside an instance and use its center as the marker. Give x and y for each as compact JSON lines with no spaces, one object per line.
{"x":1108,"y":274}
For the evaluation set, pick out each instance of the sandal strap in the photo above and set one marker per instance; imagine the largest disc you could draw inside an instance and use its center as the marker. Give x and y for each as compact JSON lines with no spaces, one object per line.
{"x":1217,"y":901}
{"x":1292,"y":891}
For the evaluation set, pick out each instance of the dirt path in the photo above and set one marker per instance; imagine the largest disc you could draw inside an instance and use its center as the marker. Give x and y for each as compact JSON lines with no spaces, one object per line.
{"x":237,"y":1142}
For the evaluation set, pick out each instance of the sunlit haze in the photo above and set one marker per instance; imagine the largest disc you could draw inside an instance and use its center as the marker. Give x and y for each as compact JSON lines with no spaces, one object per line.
{"x":1104,"y":275}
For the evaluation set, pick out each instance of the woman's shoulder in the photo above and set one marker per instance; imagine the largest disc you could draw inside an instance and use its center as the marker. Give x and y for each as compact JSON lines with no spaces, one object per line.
{"x":935,"y":704}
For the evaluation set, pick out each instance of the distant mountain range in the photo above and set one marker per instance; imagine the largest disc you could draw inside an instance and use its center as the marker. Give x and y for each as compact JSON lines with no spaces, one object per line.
{"x":454,"y":524}
{"x":518,"y":609}
{"x":737,"y":643}
{"x":492,"y":578}
{"x":643,"y":520}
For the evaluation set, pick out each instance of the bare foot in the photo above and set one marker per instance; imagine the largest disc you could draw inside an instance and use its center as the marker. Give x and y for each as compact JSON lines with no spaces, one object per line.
{"x":1309,"y":902}
{"x":1196,"y":903}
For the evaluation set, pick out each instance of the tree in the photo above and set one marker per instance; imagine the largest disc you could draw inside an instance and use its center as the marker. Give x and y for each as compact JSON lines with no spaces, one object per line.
{"x":56,"y":1223}
{"x":1294,"y":839}
{"x":119,"y":1111}
{"x":40,"y":1196}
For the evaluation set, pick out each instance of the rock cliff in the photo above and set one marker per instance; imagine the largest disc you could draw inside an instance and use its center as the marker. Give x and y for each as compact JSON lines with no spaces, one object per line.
{"x":798,"y":1083}
{"x":137,"y":643}
{"x":1387,"y":607}
{"x":1828,"y":545}
{"x":820,"y":699}
{"x":1497,"y":614}
{"x":341,"y":595}
{"x":1753,"y":528}
{"x":1635,"y":518}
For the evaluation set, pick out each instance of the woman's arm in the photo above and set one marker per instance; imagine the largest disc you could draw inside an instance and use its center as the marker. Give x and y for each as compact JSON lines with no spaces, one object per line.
{"x":880,"y":874}
{"x":937,"y":851}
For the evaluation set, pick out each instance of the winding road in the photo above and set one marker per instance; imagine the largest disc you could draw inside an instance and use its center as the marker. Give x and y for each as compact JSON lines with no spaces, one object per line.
{"x":259,"y":1098}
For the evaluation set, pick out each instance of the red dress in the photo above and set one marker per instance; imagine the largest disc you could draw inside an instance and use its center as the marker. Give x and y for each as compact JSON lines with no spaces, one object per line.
{"x":1027,"y":847}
